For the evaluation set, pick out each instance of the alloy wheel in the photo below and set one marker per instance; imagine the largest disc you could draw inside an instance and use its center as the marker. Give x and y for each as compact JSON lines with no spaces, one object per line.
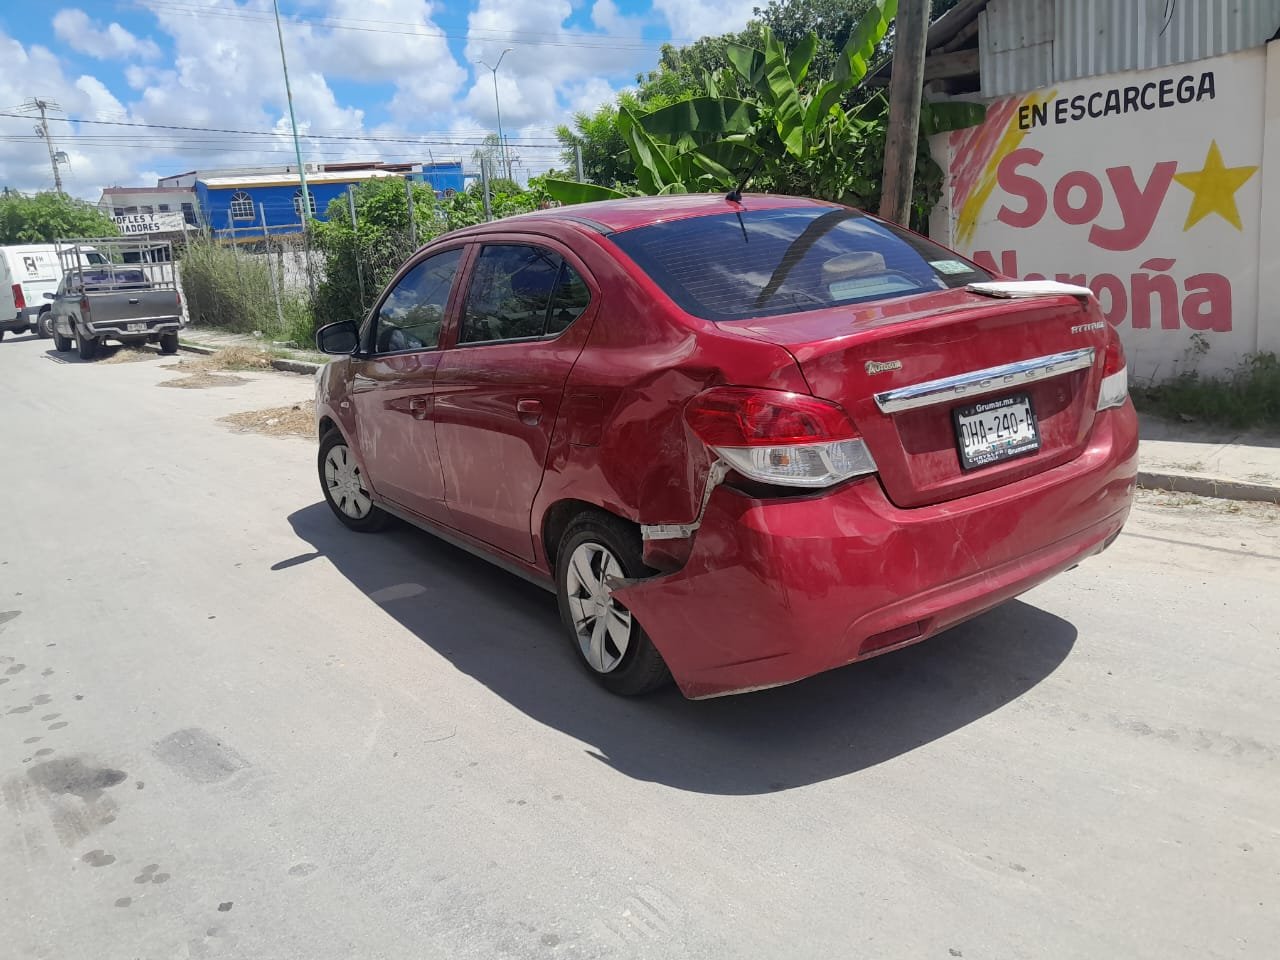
{"x":602,"y":625}
{"x":345,"y":483}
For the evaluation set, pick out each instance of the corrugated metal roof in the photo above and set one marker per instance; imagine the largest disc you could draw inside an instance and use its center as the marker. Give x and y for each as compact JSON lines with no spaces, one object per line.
{"x":288,"y":180}
{"x":1030,"y":44}
{"x":1015,"y":49}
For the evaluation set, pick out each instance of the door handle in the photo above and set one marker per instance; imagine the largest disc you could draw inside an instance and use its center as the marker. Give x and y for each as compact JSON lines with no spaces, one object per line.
{"x":418,"y":407}
{"x":530,"y":411}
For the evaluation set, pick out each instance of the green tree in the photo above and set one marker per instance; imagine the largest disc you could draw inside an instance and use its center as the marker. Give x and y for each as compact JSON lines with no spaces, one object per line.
{"x":373,"y":251}
{"x":506,"y":199}
{"x":45,"y":217}
{"x":794,"y":130}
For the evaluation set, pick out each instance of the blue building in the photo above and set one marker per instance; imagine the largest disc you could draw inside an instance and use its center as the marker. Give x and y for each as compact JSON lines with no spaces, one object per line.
{"x":445,"y":178}
{"x":247,"y":204}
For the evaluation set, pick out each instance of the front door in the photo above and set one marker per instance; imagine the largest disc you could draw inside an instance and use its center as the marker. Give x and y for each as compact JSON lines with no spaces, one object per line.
{"x":392,"y":386}
{"x":498,"y":389}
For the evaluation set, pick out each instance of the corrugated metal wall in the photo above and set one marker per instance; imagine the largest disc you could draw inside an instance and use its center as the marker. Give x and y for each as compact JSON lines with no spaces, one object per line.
{"x":1030,"y":44}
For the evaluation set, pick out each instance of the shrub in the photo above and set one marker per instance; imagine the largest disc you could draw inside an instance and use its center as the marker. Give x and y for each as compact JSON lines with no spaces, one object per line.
{"x":1248,"y":396}
{"x":233,"y":290}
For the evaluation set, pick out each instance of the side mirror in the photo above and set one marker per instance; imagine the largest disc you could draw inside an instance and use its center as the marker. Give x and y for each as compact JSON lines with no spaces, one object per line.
{"x":341,"y":338}
{"x":49,"y":296}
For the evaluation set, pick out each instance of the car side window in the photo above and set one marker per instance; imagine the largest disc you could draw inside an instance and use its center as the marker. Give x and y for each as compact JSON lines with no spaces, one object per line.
{"x":520,"y":292}
{"x":412,"y":314}
{"x":569,"y":301}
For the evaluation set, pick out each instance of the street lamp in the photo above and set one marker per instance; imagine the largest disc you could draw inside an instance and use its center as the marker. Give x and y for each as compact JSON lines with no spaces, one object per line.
{"x":502,"y":144}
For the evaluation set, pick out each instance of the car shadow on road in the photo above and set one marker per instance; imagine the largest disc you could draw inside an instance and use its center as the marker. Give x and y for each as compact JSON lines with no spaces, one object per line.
{"x":506,"y":634}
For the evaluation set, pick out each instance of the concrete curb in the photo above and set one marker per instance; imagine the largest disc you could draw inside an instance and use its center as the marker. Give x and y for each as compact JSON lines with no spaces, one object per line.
{"x":195,"y":348}
{"x":1209,"y":487}
{"x":295,"y":366}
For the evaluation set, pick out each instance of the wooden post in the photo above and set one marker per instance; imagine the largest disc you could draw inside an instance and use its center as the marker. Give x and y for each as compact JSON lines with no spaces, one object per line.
{"x":355,"y":239}
{"x":413,"y":226}
{"x":484,"y":186}
{"x":271,"y":273}
{"x":906,"y":88}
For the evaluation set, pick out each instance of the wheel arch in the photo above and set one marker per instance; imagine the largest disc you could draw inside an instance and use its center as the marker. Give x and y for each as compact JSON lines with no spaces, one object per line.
{"x":561,"y":514}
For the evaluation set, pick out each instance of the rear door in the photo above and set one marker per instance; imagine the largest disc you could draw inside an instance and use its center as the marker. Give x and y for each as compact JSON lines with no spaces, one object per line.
{"x":521,"y":326}
{"x":393,"y":384}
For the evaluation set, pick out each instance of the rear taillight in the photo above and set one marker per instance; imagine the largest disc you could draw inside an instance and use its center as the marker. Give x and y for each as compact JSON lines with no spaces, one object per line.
{"x":84,"y":305}
{"x":1115,"y":375}
{"x":19,"y":301}
{"x":786,"y":439}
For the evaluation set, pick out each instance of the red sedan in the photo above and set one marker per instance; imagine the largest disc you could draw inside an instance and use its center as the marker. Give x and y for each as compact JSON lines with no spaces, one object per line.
{"x":744,"y":442}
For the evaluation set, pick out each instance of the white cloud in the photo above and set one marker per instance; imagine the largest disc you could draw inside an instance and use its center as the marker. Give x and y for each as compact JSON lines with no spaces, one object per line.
{"x":535,"y":76}
{"x":690,"y":20}
{"x":112,"y":42}
{"x":607,"y":17}
{"x":216,"y":64}
{"x":24,"y":159}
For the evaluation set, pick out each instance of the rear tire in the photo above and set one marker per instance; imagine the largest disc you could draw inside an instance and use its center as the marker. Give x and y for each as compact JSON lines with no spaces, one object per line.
{"x":60,"y":343}
{"x":44,"y":325}
{"x":345,"y":488}
{"x":169,"y":342}
{"x":608,"y":640}
{"x":87,"y":346}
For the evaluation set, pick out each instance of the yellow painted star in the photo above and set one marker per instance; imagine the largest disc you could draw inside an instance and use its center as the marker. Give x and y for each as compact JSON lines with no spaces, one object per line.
{"x":1214,"y":189}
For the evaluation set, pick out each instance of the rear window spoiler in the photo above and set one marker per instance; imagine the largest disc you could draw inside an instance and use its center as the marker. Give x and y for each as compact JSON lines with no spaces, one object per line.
{"x":1027,"y":289}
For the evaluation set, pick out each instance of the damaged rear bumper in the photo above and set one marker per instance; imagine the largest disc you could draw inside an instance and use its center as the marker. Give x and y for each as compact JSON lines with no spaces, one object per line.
{"x":778,"y":590}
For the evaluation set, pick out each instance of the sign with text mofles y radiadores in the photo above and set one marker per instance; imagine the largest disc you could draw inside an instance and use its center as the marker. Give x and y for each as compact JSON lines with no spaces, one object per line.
{"x":1145,"y":187}
{"x":131,"y":224}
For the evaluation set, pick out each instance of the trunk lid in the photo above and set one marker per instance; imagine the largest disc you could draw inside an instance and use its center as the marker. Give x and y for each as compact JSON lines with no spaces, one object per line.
{"x":902,"y":369}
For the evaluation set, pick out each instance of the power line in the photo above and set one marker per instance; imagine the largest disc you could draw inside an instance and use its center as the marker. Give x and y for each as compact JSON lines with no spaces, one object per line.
{"x":555,"y":39}
{"x":274,"y":133}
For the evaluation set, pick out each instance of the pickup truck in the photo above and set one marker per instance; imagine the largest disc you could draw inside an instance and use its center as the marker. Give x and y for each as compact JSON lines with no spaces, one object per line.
{"x":131,"y":303}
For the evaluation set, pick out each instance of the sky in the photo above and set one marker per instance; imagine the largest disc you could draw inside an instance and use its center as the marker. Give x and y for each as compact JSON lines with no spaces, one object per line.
{"x":151,"y":88}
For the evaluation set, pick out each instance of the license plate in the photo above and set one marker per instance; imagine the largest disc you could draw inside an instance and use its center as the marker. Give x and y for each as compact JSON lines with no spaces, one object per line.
{"x":995,"y":430}
{"x":136,"y":327}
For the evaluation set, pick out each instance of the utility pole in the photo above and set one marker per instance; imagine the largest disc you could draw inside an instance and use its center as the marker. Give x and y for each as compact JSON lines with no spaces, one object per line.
{"x":42,"y":128}
{"x":297,"y":146}
{"x":502,"y":144}
{"x":906,"y":88}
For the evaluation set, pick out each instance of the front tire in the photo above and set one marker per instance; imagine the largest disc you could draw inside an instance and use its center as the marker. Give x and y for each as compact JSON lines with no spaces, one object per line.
{"x":611,"y":644}
{"x":44,"y":325}
{"x":169,"y":342}
{"x":344,"y":486}
{"x":87,"y":346}
{"x":60,"y":343}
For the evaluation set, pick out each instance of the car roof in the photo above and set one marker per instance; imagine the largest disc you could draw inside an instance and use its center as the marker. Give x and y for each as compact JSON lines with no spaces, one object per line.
{"x":614,"y":216}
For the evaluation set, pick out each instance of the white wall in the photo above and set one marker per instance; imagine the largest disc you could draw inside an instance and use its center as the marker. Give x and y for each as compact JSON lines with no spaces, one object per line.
{"x":1115,"y":181}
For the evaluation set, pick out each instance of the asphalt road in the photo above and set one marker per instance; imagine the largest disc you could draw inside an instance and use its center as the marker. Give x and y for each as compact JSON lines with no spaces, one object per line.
{"x":231,"y":728}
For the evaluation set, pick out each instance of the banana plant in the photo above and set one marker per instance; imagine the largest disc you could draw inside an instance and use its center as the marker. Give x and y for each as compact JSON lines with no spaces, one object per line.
{"x":790,"y":125}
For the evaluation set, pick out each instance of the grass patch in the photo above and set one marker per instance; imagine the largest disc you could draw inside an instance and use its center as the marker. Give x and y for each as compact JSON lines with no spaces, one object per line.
{"x":130,"y":355}
{"x":298,"y":420}
{"x":1249,"y":396}
{"x":203,"y":379}
{"x":228,"y":358}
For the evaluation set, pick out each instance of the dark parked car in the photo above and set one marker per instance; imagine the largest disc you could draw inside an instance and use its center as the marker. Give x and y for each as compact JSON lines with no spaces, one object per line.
{"x":744,"y":442}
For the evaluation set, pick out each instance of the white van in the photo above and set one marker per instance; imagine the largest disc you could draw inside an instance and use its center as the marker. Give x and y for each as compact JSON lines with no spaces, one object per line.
{"x":27,"y":273}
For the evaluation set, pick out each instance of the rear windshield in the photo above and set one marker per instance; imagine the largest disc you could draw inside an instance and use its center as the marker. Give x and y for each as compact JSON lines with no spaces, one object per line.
{"x":758,"y":263}
{"x":113,"y":278}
